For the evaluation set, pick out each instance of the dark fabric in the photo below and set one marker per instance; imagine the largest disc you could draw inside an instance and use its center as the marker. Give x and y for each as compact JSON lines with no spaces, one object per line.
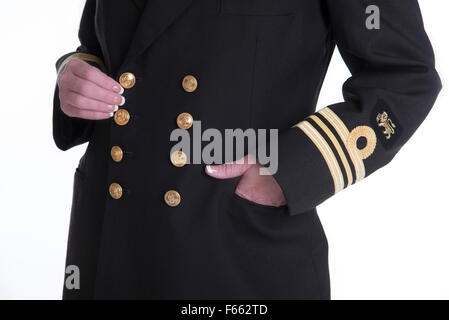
{"x":392,"y":70}
{"x":259,"y":64}
{"x":140,"y":4}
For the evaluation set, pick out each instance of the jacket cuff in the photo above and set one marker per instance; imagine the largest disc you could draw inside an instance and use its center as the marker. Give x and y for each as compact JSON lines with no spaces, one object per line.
{"x":302,"y":174}
{"x":89,"y":58}
{"x":67,"y":131}
{"x":319,"y":157}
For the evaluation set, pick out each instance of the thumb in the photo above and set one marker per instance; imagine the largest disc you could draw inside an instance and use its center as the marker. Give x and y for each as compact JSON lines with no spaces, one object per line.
{"x":229,"y":170}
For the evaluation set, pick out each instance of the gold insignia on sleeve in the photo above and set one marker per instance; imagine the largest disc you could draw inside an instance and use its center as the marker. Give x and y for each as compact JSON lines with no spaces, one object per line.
{"x":362,"y":132}
{"x":337,"y":146}
{"x":340,"y":148}
{"x":383,"y":120}
{"x":343,"y":132}
{"x":326,"y":152}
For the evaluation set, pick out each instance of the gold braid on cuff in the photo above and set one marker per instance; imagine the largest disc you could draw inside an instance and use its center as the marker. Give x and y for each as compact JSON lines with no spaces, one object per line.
{"x":342,"y":156}
{"x":85,"y":57}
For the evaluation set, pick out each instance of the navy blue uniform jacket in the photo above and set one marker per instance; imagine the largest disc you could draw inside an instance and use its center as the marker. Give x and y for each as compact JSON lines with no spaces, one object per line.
{"x":258,"y":64}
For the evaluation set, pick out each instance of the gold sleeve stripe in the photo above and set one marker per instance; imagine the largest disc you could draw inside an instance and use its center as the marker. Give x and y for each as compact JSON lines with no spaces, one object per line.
{"x":326,"y":152}
{"x":85,"y":57}
{"x":337,"y":146}
{"x":343,"y":132}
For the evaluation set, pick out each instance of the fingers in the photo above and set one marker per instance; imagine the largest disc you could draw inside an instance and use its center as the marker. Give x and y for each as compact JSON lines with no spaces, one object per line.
{"x":82,"y":102}
{"x":73,"y":111}
{"x":89,"y":81}
{"x":93,"y":91}
{"x":230,"y":170}
{"x":86,"y":92}
{"x":260,"y":189}
{"x":85,"y":71}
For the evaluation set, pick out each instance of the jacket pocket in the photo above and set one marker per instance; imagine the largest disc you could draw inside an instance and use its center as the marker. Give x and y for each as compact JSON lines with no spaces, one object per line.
{"x":257,"y":206}
{"x":246,"y":205}
{"x":257,"y":7}
{"x":78,"y":195}
{"x":81,"y":170}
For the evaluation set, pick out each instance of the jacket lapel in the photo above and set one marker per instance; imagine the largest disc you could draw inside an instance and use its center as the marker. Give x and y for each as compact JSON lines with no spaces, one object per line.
{"x":157,"y":16}
{"x":115,"y":24}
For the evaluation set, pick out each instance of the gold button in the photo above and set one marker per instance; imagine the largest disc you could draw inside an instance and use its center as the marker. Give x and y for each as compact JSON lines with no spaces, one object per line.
{"x":189,"y":83}
{"x":116,"y":153}
{"x":185,"y":120}
{"x":178,"y":159}
{"x":127,"y":80}
{"x":115,"y":190}
{"x":121,"y":117}
{"x":172,"y":198}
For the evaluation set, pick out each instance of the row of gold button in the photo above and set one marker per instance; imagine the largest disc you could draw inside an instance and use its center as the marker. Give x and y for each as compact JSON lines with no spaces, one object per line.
{"x":121,"y":118}
{"x":178,"y":158}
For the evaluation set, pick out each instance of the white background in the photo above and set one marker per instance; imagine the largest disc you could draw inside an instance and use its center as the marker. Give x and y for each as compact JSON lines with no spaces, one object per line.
{"x":388,"y":235}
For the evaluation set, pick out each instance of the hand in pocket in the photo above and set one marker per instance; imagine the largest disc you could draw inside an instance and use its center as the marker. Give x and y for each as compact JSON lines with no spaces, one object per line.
{"x":253,"y":186}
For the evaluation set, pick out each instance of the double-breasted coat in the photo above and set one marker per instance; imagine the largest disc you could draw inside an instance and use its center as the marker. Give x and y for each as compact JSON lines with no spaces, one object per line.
{"x":142,"y":227}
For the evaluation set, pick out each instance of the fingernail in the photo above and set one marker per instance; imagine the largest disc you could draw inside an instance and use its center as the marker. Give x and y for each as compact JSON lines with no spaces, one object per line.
{"x":115,"y":108}
{"x":210,"y":169}
{"x":117,"y":89}
{"x":121,"y":90}
{"x":123,"y":101}
{"x":111,"y":114}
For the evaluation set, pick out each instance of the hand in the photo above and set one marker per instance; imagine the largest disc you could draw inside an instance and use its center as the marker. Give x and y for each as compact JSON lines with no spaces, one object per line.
{"x":86,"y":92}
{"x":261,"y":189}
